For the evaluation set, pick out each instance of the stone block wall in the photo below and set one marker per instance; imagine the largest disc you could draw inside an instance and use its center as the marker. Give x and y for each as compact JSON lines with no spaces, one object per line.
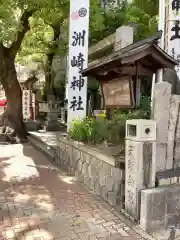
{"x":97,"y":171}
{"x":159,"y":207}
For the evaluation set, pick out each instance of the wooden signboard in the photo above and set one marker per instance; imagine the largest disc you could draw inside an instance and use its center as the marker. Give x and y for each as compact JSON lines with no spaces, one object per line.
{"x":118,"y":93}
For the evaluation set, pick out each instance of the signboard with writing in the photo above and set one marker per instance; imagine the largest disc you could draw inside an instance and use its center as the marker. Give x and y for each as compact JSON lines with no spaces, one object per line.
{"x":172,"y":30}
{"x":118,"y":93}
{"x":78,"y":59}
{"x":26,"y":104}
{"x":33,"y":96}
{"x":133,"y":149}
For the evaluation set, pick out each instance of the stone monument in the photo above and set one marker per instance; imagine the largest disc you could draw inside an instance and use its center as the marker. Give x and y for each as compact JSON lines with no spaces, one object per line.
{"x":52,"y":123}
{"x":140,"y":159}
{"x":123,"y":38}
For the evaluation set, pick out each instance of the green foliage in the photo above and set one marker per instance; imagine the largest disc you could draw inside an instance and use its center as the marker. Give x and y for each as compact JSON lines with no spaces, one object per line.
{"x":36,"y":44}
{"x":116,"y":131}
{"x":11,"y":11}
{"x":148,"y":6}
{"x":52,"y":16}
{"x":143,"y":13}
{"x":145,"y":106}
{"x":89,"y":130}
{"x":103,"y":22}
{"x":47,"y":13}
{"x":39,"y":41}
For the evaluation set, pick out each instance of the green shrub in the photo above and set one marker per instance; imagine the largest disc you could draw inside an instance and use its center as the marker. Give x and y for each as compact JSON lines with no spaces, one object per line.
{"x":117,"y":124}
{"x":116,"y":127}
{"x":79,"y":131}
{"x":89,"y":130}
{"x":145,"y":106}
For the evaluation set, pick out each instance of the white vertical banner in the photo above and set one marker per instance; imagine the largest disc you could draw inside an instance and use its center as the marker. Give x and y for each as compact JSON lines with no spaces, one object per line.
{"x":78,"y":59}
{"x":161,"y":25}
{"x":34,"y":105}
{"x":26,"y":104}
{"x":67,"y":71}
{"x":161,"y":21}
{"x":33,"y":99}
{"x":172,"y":30}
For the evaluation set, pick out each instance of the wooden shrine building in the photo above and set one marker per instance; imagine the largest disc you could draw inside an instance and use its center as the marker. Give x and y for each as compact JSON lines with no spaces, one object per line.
{"x":120,"y":73}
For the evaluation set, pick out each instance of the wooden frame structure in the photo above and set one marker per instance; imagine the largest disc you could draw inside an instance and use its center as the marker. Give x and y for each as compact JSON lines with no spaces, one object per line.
{"x":119,"y":93}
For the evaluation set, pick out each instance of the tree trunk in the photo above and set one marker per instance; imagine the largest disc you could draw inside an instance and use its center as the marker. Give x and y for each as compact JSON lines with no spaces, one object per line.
{"x":12,"y":118}
{"x":48,"y":76}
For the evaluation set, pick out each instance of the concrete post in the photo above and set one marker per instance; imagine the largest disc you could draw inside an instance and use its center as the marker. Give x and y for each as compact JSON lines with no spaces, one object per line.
{"x":140,"y":159}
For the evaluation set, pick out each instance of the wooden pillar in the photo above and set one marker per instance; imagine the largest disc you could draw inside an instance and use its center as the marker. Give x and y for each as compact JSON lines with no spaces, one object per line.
{"x":138,"y":86}
{"x":138,"y":91}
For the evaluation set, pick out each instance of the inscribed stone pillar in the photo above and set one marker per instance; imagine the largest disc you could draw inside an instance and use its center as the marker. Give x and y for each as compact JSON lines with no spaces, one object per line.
{"x":173,"y":129}
{"x":52,"y":116}
{"x":63,"y":115}
{"x":140,"y":162}
{"x":177,"y":143}
{"x":161,"y":106}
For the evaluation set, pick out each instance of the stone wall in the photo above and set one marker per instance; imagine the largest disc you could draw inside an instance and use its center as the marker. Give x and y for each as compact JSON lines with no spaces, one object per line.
{"x":96,"y":170}
{"x":159,"y":207}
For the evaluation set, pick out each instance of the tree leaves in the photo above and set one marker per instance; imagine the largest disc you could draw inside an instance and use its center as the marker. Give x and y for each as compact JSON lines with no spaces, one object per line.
{"x":143,"y":13}
{"x":48,"y":14}
{"x":11,"y":11}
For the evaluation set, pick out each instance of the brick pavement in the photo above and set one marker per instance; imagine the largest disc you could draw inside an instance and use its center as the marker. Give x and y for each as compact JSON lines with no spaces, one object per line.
{"x":38,"y":201}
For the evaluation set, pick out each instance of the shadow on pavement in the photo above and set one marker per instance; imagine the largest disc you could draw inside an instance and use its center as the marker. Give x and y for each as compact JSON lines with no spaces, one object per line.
{"x":39,"y":201}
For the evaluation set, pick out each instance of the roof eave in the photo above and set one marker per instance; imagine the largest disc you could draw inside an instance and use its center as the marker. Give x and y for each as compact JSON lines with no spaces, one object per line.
{"x":165,"y":60}
{"x":166,"y":55}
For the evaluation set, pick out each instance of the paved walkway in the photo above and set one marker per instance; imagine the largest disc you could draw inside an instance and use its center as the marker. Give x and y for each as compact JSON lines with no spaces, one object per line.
{"x":40,"y":202}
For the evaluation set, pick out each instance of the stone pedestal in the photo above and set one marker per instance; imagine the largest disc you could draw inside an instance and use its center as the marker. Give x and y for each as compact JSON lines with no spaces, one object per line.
{"x":140,"y":161}
{"x":32,"y":125}
{"x":52,"y":121}
{"x":52,"y":117}
{"x":62,"y":115}
{"x":177,"y":142}
{"x":173,"y":131}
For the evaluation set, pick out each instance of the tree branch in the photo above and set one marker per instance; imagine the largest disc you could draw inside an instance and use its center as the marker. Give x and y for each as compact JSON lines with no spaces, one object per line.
{"x":1,"y":49}
{"x":27,"y":53}
{"x":25,"y":23}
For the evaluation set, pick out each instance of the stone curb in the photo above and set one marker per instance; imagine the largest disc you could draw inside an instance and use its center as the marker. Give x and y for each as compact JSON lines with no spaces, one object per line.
{"x":50,"y":152}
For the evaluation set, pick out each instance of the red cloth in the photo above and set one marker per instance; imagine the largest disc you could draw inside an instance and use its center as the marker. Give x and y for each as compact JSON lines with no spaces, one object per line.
{"x":2,"y":102}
